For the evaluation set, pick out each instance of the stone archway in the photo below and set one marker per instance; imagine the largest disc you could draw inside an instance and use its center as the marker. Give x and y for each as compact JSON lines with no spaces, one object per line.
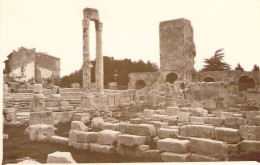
{"x":171,"y":77}
{"x":208,"y":79}
{"x":245,"y":82}
{"x":139,"y":84}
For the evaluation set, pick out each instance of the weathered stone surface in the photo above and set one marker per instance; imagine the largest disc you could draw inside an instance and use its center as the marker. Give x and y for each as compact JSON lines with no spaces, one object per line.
{"x":255,"y":121}
{"x":171,"y":120}
{"x":211,"y":148}
{"x":159,"y":112}
{"x":228,"y":135}
{"x":111,"y":126}
{"x":108,"y":137}
{"x":250,"y":146}
{"x":199,"y":120}
{"x":235,"y":121}
{"x":148,"y":112}
{"x":184,"y":117}
{"x":105,"y":149}
{"x":72,"y":137}
{"x":87,"y":137}
{"x":59,"y":139}
{"x":153,"y":154}
{"x":226,"y":114}
{"x":143,"y":148}
{"x":44,"y":117}
{"x":173,"y":145}
{"x":175,"y":157}
{"x":137,"y":129}
{"x":131,"y":140}
{"x":172,"y":111}
{"x":96,"y":122}
{"x":136,"y":151}
{"x":37,"y":88}
{"x":60,"y":157}
{"x":167,"y":133}
{"x":65,"y":120}
{"x":57,"y":115}
{"x":40,"y":132}
{"x":81,"y":146}
{"x":250,"y":132}
{"x":233,"y":148}
{"x":157,"y":117}
{"x":135,"y":121}
{"x":202,"y":158}
{"x":216,"y":121}
{"x":200,"y":112}
{"x":84,"y":117}
{"x":158,"y":124}
{"x":201,"y":131}
{"x":78,"y":125}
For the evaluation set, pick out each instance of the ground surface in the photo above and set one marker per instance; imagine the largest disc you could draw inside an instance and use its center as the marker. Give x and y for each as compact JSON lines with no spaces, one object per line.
{"x":19,"y":146}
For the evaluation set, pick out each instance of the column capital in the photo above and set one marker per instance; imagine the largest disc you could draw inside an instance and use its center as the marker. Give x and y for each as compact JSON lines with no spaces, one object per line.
{"x":85,"y":23}
{"x":99,"y":26}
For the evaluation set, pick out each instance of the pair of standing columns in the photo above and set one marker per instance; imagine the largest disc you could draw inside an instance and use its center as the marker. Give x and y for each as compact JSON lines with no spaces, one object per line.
{"x":86,"y":58}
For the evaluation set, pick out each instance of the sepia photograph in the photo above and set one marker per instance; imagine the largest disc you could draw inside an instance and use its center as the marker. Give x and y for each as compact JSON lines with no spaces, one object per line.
{"x":130,"y":81}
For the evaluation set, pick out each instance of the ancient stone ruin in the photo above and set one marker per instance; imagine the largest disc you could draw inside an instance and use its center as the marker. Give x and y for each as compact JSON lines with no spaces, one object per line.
{"x":174,"y":115}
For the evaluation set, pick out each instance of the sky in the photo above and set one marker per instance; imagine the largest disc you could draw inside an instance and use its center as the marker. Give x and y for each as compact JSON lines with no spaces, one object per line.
{"x":131,"y":28}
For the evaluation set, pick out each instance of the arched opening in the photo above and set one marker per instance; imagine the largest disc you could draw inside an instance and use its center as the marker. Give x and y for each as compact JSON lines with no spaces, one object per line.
{"x":246,"y":82}
{"x":171,"y":78}
{"x":208,"y":79}
{"x":139,"y":84}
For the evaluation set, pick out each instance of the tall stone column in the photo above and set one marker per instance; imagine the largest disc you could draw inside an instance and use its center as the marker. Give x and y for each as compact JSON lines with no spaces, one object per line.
{"x":99,"y":59}
{"x":86,"y":57}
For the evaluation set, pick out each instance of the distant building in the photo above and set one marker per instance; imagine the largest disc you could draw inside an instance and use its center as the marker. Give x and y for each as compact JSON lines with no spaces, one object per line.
{"x":29,"y":65}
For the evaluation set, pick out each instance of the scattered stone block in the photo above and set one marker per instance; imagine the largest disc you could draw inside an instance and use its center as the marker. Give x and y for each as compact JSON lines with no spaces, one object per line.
{"x":173,"y":145}
{"x":108,"y":137}
{"x":159,"y":112}
{"x":65,"y":120}
{"x":37,"y":88}
{"x":148,"y":112}
{"x":72,"y":137}
{"x":43,"y":117}
{"x":199,"y":120}
{"x":157,"y":124}
{"x":84,"y":117}
{"x":153,"y":154}
{"x":233,"y":148}
{"x":87,"y":137}
{"x":105,"y":149}
{"x":145,"y":120}
{"x":202,"y":158}
{"x":40,"y":132}
{"x":210,"y":104}
{"x":157,"y":117}
{"x":144,"y":130}
{"x":167,"y":133}
{"x":57,"y":115}
{"x":235,"y":121}
{"x":172,"y":111}
{"x":143,"y":148}
{"x":201,"y":131}
{"x":78,"y":125}
{"x":251,"y":146}
{"x":136,"y":151}
{"x":97,"y":122}
{"x":200,"y":112}
{"x":184,"y":117}
{"x":255,"y":121}
{"x":250,"y":132}
{"x":171,"y":120}
{"x":60,"y":157}
{"x":226,"y":114}
{"x":59,"y":139}
{"x":228,"y":135}
{"x":81,"y":146}
{"x":111,"y":126}
{"x":215,"y":121}
{"x":211,"y":148}
{"x":175,"y":157}
{"x":131,"y":140}
{"x":135,"y":121}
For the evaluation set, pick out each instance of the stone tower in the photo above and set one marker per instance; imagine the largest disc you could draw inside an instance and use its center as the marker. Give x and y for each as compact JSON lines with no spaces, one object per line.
{"x":177,"y":49}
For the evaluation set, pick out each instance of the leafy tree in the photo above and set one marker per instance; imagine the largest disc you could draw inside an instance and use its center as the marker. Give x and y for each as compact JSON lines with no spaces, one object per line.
{"x":239,"y":67}
{"x":215,"y":63}
{"x":256,"y":68}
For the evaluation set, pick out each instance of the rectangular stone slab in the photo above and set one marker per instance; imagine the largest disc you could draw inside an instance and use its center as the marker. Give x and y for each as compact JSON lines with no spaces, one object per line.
{"x":173,"y":145}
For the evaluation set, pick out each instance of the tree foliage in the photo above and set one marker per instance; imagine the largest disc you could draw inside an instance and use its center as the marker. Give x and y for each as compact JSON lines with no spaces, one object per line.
{"x":239,"y":67}
{"x":215,"y":63}
{"x":114,"y":70}
{"x":256,"y":68}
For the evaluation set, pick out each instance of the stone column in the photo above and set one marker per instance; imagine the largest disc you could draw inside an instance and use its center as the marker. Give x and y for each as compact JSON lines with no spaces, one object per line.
{"x":86,"y":57}
{"x":99,"y":59}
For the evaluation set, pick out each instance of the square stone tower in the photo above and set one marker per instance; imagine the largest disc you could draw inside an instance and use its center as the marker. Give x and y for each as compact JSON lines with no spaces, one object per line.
{"x":177,"y":49}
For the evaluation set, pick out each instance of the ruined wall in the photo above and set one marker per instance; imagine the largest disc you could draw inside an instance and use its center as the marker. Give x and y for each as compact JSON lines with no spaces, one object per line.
{"x":147,"y":77}
{"x":177,"y":49}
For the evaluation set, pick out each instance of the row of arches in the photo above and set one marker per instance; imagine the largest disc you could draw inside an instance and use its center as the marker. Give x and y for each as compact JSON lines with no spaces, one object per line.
{"x":244,"y":81}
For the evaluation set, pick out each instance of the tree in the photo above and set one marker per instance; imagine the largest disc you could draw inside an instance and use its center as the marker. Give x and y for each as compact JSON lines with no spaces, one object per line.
{"x":215,"y":63}
{"x":256,"y":68}
{"x":239,"y":67}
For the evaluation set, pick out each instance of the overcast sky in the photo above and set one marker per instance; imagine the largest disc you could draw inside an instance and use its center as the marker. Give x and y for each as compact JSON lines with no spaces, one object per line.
{"x":131,"y":28}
